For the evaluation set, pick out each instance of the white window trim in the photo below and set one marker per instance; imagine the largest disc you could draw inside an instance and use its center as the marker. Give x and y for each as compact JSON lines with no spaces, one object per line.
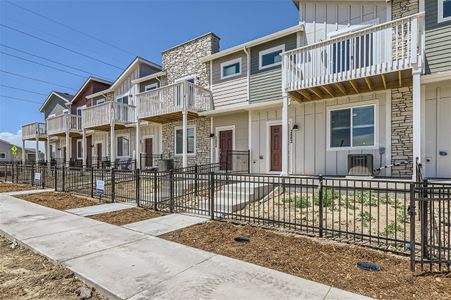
{"x":440,"y":17}
{"x":150,"y":87}
{"x":267,"y":51}
{"x":350,"y":106}
{"x":65,"y":111}
{"x":80,"y":108}
{"x":51,"y":116}
{"x":129,"y":145}
{"x":228,"y":63}
{"x":188,"y":77}
{"x":99,"y":101}
{"x":175,"y":140}
{"x":81,"y":141}
{"x":217,"y":131}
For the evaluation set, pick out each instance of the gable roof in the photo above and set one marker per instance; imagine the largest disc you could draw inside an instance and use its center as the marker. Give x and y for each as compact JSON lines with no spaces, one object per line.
{"x":124,"y":73}
{"x":64,"y":96}
{"x":90,"y":78}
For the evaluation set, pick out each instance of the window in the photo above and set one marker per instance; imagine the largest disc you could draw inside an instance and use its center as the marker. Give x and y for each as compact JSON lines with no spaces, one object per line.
{"x":231,"y":68}
{"x":52,"y":151}
{"x":79,"y":149}
{"x":191,"y":140}
{"x":151,"y":86}
{"x":271,"y":57}
{"x":123,"y":146}
{"x":352,"y":127}
{"x":444,"y":10}
{"x":99,"y":101}
{"x":2,"y":155}
{"x":122,"y":99}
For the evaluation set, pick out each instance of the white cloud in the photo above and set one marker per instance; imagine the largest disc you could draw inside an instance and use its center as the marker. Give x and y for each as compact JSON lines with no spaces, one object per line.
{"x":16,"y":139}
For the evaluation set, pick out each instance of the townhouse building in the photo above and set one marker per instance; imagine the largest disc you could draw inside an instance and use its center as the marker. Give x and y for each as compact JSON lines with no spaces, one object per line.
{"x":353,"y":87}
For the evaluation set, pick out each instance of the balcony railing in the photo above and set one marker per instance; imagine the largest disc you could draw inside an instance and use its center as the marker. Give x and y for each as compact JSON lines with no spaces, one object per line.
{"x":60,"y":124}
{"x":103,"y":114}
{"x":33,"y":130}
{"x":174,"y":98}
{"x":385,"y":48}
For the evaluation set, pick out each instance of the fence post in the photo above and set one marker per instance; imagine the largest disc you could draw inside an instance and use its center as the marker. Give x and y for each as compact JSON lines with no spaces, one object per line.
{"x":248,"y":161}
{"x":43,"y":177}
{"x":17,"y":173}
{"x":196,"y":177}
{"x":155,"y":190}
{"x":92,"y":181}
{"x":320,"y":213}
{"x":424,"y":219}
{"x":171,"y":190}
{"x":55,"y":174}
{"x":137,"y":185}
{"x":32,"y":175}
{"x":212,"y":195}
{"x":113,"y":183}
{"x":64,"y":179}
{"x":412,"y":227}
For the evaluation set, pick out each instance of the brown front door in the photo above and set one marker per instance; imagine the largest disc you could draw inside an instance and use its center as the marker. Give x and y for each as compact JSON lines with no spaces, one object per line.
{"x":99,"y":154}
{"x":225,"y":148}
{"x":276,"y":148}
{"x":148,"y":152}
{"x":89,"y":150}
{"x":64,"y":155}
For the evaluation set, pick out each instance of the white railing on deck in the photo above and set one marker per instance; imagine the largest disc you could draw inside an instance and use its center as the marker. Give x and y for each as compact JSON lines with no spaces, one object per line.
{"x":174,"y":98}
{"x":103,"y":114}
{"x":60,"y":124}
{"x":33,"y":130}
{"x":383,"y":48}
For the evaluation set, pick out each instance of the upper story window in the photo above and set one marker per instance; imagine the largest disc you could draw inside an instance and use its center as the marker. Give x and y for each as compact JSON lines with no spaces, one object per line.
{"x":444,"y":10}
{"x":151,"y":86}
{"x":99,"y":101}
{"x":271,"y":57}
{"x":352,"y":127}
{"x":231,"y":68}
{"x":122,"y":99}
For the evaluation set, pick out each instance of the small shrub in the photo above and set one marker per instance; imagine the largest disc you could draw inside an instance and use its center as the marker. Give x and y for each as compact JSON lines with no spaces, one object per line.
{"x":366,"y":217}
{"x":392,"y":228}
{"x":366,"y":198}
{"x":329,"y":196}
{"x":299,"y":201}
{"x":347,"y":203}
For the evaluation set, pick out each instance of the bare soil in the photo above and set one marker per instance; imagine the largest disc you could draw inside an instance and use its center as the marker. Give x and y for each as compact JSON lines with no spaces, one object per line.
{"x":61,"y":201}
{"x":14,"y":187}
{"x":27,"y":275}
{"x":127,"y":216}
{"x":319,"y":260}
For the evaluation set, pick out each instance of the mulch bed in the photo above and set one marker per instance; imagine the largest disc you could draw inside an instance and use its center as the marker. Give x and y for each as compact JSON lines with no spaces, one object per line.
{"x":127,"y":216}
{"x":14,"y":187}
{"x":27,"y":275}
{"x":319,"y":260}
{"x":61,"y":201}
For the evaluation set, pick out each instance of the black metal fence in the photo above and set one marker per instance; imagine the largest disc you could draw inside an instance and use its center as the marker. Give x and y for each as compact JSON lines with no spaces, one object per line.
{"x":404,"y":217}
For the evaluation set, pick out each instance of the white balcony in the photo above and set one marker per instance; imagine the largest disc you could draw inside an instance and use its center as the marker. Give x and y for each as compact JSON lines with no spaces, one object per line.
{"x":103,"y":115}
{"x":59,"y":125}
{"x":167,"y":103}
{"x":374,"y":58}
{"x":34,"y":131}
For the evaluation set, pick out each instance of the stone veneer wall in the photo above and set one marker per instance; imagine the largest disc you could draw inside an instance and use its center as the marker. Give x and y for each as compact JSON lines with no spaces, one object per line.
{"x":202,"y":141}
{"x":402,"y":108}
{"x":180,"y":61}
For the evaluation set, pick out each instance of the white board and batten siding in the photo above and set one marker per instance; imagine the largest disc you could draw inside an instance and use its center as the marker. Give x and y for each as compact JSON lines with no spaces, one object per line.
{"x":151,"y":131}
{"x":233,"y":90}
{"x":308,"y":149}
{"x":324,"y":18}
{"x":126,"y":87}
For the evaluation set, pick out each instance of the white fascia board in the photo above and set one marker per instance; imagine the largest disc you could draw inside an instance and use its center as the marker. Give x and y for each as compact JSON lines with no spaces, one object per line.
{"x":91,"y":78}
{"x":440,"y":76}
{"x":148,"y":77}
{"x":267,"y":38}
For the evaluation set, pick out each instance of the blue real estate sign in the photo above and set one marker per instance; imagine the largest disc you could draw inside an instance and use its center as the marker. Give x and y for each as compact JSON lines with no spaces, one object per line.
{"x":37,"y":178}
{"x":100,"y":187}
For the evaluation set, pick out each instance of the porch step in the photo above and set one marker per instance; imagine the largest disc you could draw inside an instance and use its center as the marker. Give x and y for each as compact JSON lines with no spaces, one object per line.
{"x":233,"y":197}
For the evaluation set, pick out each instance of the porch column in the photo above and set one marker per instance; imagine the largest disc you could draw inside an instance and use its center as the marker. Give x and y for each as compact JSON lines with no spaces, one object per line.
{"x":112,"y":136}
{"x":37,"y":150}
{"x":47,"y":152}
{"x":23,"y":152}
{"x":67,"y":142}
{"x":416,"y":99}
{"x":285,"y":133}
{"x":185,"y":138}
{"x":138,"y":144}
{"x":84,"y":148}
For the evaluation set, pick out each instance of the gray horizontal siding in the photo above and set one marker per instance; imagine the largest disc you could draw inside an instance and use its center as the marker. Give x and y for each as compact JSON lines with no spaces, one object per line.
{"x":231,"y":90}
{"x":55,"y":106}
{"x":143,"y":84}
{"x":438,"y":42}
{"x":266,"y":84}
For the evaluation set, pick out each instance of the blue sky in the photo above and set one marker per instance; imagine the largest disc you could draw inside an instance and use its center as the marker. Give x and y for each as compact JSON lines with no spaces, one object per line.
{"x":128,"y":28}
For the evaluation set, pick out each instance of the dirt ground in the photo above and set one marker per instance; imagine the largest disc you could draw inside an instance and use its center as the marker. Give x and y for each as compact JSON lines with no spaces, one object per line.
{"x":61,"y":201}
{"x":127,"y":216}
{"x":14,"y":187}
{"x":26,"y":275}
{"x":320,"y":260}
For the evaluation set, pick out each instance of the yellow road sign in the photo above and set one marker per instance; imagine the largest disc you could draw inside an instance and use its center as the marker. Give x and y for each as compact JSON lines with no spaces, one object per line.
{"x":14,"y":150}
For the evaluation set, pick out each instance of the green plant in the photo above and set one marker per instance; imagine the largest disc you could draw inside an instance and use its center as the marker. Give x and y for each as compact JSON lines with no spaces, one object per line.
{"x":366,"y":198}
{"x":366,"y":217}
{"x":299,"y":201}
{"x":329,"y":196}
{"x":346,"y":202}
{"x":402,"y":216}
{"x":392,"y":228}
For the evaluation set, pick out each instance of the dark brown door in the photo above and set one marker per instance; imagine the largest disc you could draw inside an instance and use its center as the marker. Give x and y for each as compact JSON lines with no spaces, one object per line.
{"x":148,"y":152}
{"x":99,"y":153}
{"x":225,"y":148}
{"x":89,"y":151}
{"x":276,"y":148}
{"x":64,"y":155}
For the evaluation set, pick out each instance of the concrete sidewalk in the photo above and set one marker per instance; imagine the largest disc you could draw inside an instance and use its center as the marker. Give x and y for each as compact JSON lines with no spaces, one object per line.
{"x":126,"y":264}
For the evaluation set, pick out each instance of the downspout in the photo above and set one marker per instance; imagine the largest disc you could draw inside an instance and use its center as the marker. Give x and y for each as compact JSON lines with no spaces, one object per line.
{"x":248,"y":75}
